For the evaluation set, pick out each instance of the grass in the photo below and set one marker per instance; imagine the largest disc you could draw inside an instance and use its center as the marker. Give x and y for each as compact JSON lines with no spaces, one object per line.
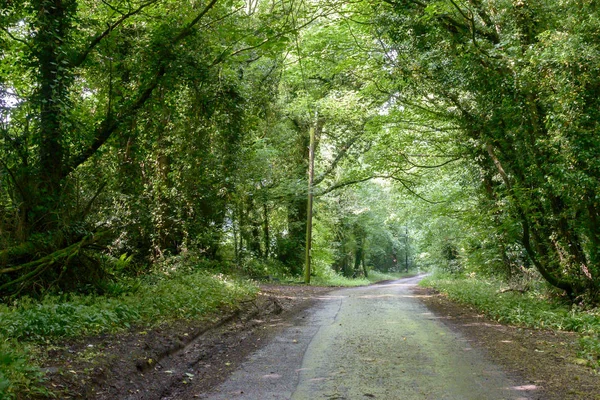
{"x":18,"y":377}
{"x":186,"y":296}
{"x":140,"y":302}
{"x":532,"y":309}
{"x":333,"y":279}
{"x":324,"y":275}
{"x":376,"y":276}
{"x":191,"y":296}
{"x":338,"y":280}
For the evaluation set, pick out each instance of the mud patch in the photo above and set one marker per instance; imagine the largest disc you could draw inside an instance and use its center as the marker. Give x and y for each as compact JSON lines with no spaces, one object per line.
{"x":176,"y":360}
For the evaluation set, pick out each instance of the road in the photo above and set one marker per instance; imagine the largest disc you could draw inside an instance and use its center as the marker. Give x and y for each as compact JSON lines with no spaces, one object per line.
{"x":369,"y":342}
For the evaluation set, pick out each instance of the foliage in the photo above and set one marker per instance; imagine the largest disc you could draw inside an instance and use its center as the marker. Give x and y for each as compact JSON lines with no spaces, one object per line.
{"x":177,"y":296}
{"x":331,"y":278}
{"x":116,"y":121}
{"x":376,"y":276}
{"x":268,"y":270}
{"x":516,"y":81}
{"x":18,"y":377}
{"x":182,"y":296}
{"x":144,"y":141}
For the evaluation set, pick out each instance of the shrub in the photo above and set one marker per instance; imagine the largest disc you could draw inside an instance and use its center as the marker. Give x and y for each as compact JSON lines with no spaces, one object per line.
{"x":17,"y":376}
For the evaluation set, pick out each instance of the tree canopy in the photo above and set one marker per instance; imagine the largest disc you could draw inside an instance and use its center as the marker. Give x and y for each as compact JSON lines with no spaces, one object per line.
{"x":453,"y":133}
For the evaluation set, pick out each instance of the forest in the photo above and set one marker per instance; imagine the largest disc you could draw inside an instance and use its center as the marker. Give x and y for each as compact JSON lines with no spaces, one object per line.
{"x":295,"y":140}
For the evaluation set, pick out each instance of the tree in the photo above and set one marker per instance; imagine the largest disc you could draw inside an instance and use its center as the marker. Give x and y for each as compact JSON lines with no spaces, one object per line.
{"x":121,"y":87}
{"x":516,"y":79}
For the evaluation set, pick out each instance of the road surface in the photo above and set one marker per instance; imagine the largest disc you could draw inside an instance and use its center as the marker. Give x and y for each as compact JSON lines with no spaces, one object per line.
{"x":376,"y":342}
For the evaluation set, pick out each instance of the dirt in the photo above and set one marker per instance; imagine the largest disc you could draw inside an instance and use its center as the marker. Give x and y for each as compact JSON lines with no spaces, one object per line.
{"x":168,"y":360}
{"x":545,"y":359}
{"x":177,"y":360}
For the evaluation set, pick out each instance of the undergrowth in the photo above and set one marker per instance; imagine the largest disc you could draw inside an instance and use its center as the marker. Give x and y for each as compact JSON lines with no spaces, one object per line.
{"x":26,"y":321}
{"x":376,"y":276}
{"x":331,"y":278}
{"x":176,"y":290}
{"x":18,"y":377}
{"x":322,"y":274}
{"x":334,"y":279}
{"x":533,"y":308}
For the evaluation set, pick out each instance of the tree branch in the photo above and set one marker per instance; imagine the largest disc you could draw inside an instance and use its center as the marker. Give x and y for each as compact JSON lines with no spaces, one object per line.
{"x":83,"y":56}
{"x":110,"y":124}
{"x":491,"y":36}
{"x":14,"y":179}
{"x":187,"y":31}
{"x":16,"y":38}
{"x":429,"y":166}
{"x":343,"y":184}
{"x":368,"y":178}
{"x":269,"y":39}
{"x":404,"y":184}
{"x":41,"y":264}
{"x":337,"y":159}
{"x":88,"y":207}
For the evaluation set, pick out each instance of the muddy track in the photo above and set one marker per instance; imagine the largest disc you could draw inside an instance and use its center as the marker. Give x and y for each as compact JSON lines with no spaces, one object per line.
{"x":545,"y":360}
{"x":185,"y":357}
{"x":370,"y":342}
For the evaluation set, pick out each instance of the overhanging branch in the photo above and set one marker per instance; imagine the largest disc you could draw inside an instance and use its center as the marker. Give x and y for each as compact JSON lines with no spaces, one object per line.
{"x":111,"y":123}
{"x":368,"y":178}
{"x":96,"y":40}
{"x":342,"y":153}
{"x":428,"y":166}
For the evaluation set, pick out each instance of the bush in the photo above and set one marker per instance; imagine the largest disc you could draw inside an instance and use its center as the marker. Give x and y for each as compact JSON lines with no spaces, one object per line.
{"x":331,"y":278}
{"x":265,"y":269}
{"x":17,"y":376}
{"x":182,"y":296}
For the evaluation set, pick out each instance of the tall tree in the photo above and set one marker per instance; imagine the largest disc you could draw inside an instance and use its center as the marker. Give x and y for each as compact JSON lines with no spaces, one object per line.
{"x":517,"y":79}
{"x":90,"y":86}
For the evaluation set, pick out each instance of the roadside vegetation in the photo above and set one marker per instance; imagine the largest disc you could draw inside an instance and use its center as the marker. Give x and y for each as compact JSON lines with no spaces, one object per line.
{"x":530,"y":303}
{"x":173,"y":292}
{"x":29,"y":325}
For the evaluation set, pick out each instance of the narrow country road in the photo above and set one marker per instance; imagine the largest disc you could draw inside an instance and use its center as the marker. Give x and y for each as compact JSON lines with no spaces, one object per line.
{"x":369,"y":342}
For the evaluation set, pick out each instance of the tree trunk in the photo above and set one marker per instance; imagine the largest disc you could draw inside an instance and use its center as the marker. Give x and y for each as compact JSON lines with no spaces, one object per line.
{"x":266,"y":230}
{"x":53,"y":24}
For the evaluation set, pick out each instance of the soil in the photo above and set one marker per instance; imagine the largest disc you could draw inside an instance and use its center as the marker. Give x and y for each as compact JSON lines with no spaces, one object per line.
{"x":168,"y":360}
{"x":177,"y":360}
{"x":544,"y":359}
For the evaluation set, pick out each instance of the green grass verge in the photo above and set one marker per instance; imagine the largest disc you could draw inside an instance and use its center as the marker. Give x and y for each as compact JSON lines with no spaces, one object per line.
{"x":376,"y":276}
{"x":333,"y":279}
{"x":532,"y":309}
{"x":337,"y":280}
{"x":194,"y":296}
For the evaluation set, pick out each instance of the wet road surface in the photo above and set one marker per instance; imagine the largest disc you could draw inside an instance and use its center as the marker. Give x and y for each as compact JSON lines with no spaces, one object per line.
{"x":370,"y":342}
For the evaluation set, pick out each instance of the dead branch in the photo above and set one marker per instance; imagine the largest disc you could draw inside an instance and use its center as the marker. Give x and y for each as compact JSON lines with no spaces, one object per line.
{"x":40,"y":265}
